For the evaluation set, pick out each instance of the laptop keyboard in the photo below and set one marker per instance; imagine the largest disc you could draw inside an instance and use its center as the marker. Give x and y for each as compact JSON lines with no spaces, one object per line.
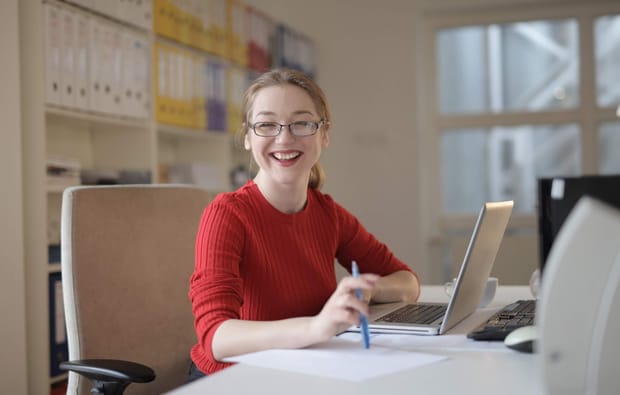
{"x":415,"y":314}
{"x":509,"y":318}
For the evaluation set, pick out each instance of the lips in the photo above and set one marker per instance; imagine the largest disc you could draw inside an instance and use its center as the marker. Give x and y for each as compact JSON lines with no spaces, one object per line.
{"x":286,"y":156}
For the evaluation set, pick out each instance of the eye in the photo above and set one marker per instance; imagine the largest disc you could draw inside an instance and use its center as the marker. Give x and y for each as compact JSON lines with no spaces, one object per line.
{"x":265,"y":125}
{"x":303,"y":124}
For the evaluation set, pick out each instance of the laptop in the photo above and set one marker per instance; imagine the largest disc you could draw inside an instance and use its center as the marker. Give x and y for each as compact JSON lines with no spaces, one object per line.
{"x":438,"y":318}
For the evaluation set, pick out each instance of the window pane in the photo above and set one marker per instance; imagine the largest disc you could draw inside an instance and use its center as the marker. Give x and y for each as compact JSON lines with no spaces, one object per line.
{"x":607,"y":46}
{"x":609,"y":148}
{"x":525,"y":66}
{"x":503,"y":163}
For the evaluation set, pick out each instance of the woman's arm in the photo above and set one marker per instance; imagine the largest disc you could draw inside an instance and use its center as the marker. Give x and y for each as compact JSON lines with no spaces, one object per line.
{"x":400,"y":286}
{"x":398,"y":282}
{"x":342,"y":310}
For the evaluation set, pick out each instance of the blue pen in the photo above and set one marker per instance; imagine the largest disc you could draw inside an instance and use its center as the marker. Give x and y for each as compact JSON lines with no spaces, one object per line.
{"x":363,"y":319}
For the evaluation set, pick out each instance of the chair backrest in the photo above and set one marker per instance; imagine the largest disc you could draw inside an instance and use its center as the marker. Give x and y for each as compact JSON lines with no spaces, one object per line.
{"x":127,"y":255}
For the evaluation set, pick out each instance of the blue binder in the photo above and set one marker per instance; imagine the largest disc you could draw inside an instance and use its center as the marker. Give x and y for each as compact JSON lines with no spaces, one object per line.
{"x":58,"y":333}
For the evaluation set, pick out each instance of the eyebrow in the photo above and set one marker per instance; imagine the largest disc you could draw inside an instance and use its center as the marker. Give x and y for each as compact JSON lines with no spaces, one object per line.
{"x":298,"y":112}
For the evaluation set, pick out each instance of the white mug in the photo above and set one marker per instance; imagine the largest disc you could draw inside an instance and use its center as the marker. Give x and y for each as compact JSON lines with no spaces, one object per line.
{"x":535,"y":283}
{"x":487,"y":295}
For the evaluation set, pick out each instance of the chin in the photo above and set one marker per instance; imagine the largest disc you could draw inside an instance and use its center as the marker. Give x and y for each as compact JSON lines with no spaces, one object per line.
{"x":290,"y":178}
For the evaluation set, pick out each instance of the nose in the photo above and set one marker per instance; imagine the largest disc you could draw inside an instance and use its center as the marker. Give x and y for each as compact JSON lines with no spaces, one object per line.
{"x":285,"y":134}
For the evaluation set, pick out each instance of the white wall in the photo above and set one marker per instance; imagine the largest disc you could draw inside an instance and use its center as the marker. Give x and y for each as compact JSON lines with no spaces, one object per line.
{"x":366,"y":67}
{"x":12,"y":294}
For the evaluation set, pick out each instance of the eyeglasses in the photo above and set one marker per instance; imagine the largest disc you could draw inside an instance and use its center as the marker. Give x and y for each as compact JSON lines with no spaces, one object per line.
{"x":298,"y":128}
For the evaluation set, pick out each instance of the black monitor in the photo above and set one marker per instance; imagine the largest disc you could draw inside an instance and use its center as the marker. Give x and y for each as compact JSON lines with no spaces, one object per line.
{"x":558,"y":195}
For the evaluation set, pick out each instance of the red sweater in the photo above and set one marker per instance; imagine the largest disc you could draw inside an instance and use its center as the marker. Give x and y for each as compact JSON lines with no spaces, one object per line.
{"x":254,"y":262}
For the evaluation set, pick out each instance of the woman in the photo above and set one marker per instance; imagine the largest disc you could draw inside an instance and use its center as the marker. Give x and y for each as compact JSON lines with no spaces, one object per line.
{"x":264,"y":273}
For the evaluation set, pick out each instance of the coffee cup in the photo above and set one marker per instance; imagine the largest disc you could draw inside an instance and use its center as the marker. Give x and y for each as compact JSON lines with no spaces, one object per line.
{"x":487,"y":295}
{"x":535,"y":283}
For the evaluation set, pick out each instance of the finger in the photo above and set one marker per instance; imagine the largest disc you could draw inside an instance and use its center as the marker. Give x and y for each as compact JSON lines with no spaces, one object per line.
{"x":355,"y":305}
{"x":364,"y":281}
{"x":348,"y":301}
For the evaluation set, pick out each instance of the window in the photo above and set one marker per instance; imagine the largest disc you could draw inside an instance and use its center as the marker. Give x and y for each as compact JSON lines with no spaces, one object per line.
{"x":520,"y":66}
{"x":607,"y":50}
{"x":609,"y":148}
{"x":528,"y":67}
{"x":502,"y":163}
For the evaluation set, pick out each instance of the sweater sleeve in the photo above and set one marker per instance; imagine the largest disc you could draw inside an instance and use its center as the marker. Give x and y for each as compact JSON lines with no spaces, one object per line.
{"x":216,"y":284}
{"x":356,"y":243}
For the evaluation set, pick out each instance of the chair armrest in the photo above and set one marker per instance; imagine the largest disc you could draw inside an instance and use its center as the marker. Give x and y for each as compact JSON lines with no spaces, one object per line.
{"x":110,"y":376}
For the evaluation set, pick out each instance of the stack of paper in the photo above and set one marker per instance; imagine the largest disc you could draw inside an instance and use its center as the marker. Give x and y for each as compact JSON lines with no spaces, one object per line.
{"x":62,"y":173}
{"x":341,"y":359}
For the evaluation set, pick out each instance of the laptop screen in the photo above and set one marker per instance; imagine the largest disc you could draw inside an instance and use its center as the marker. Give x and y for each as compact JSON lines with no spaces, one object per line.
{"x":557,"y":196}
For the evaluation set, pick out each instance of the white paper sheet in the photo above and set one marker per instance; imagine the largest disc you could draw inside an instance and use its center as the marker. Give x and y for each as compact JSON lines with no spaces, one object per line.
{"x":340,"y":358}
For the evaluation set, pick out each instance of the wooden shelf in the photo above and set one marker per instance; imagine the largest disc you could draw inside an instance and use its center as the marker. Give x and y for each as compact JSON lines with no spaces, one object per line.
{"x":96,"y":118}
{"x":182,"y":132}
{"x":53,"y":267}
{"x":59,"y":378}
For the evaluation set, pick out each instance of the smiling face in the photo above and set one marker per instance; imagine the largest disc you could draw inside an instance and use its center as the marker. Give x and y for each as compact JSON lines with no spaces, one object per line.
{"x":284,"y":160}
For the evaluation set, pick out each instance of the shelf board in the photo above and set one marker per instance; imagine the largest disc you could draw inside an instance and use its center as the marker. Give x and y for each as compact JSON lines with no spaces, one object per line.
{"x":59,"y":378}
{"x":182,"y":132}
{"x":96,"y":118}
{"x":94,"y":12}
{"x":53,"y":267}
{"x":58,"y":189}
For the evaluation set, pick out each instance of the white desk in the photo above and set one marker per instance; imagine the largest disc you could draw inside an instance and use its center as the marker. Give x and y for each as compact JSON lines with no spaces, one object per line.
{"x":465,"y":372}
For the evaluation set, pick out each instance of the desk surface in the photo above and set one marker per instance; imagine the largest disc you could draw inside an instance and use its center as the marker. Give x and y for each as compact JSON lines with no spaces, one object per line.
{"x":465,"y":372}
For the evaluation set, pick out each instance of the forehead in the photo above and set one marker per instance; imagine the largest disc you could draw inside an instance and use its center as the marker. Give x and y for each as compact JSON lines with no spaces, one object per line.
{"x":283,"y":100}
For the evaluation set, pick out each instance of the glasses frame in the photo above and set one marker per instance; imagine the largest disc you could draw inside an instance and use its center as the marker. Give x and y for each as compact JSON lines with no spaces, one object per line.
{"x":317,"y":125}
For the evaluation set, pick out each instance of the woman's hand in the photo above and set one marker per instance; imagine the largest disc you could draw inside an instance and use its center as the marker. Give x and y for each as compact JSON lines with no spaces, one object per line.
{"x":343,"y":308}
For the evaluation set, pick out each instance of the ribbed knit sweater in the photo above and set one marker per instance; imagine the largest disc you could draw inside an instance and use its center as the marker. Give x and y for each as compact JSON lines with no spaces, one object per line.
{"x":254,"y":262}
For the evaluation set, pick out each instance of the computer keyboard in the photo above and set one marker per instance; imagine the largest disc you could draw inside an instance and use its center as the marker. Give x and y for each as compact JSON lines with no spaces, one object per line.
{"x":509,"y":318}
{"x":415,"y":314}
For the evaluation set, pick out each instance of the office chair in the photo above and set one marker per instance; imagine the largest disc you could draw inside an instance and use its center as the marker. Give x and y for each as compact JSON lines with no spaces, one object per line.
{"x":127,"y":255}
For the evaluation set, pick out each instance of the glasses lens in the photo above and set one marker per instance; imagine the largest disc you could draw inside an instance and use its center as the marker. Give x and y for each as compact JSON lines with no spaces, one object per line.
{"x":266,"y":128}
{"x":303,"y":128}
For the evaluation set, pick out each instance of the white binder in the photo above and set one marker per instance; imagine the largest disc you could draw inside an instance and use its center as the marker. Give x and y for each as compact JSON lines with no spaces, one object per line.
{"x":129,"y":106}
{"x":106,"y":54}
{"x":116,"y":104}
{"x":95,"y":73}
{"x":67,"y":63}
{"x":137,"y":13}
{"x":82,"y":41}
{"x":134,"y":74}
{"x":142,"y":75}
{"x":53,"y":42}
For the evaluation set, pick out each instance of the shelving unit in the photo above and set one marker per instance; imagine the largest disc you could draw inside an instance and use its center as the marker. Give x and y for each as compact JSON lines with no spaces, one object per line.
{"x":111,"y":137}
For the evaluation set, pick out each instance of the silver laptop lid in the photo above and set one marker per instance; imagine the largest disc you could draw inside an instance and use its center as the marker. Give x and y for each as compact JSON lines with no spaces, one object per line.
{"x":477,"y":262}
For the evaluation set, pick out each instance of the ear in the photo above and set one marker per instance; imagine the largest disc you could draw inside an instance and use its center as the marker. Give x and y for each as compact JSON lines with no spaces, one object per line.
{"x":246,"y":142}
{"x":325,"y":140}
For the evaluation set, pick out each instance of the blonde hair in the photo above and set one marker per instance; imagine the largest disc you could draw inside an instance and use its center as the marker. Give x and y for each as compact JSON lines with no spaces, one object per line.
{"x":303,"y":81}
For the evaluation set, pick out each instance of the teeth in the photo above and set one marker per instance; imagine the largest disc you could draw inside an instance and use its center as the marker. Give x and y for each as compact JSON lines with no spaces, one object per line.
{"x":287,"y":156}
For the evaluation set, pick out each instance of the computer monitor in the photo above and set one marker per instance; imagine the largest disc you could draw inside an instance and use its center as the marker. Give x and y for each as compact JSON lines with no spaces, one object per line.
{"x":558,"y":195}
